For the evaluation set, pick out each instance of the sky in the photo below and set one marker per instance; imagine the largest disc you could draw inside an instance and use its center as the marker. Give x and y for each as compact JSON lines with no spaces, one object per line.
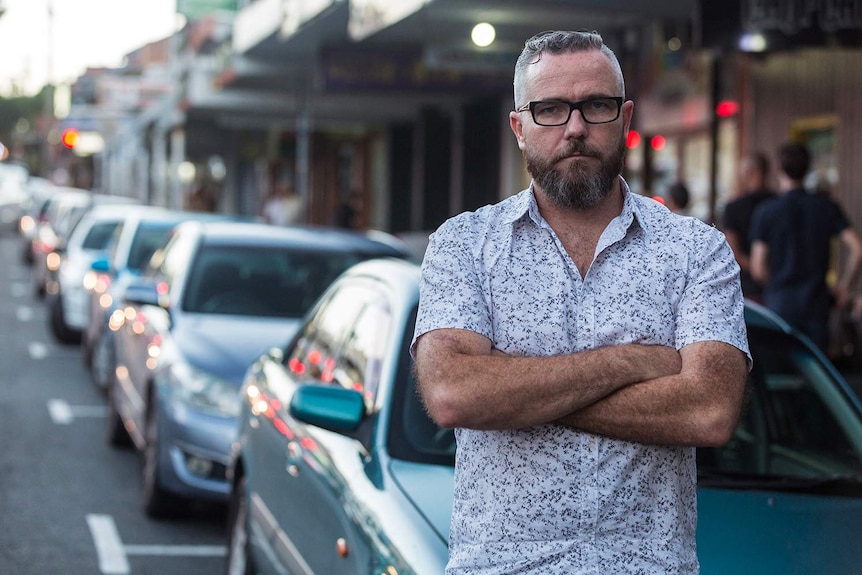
{"x":85,"y":33}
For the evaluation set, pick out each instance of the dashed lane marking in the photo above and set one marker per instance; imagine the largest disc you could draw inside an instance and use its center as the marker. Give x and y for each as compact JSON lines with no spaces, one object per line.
{"x":114,"y":556}
{"x":19,"y":289}
{"x":63,"y":414}
{"x":24,"y":313}
{"x":37,"y":350}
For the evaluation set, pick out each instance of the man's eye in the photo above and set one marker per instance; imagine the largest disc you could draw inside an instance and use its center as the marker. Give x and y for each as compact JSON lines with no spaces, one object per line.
{"x":598,"y":105}
{"x":548,"y":109}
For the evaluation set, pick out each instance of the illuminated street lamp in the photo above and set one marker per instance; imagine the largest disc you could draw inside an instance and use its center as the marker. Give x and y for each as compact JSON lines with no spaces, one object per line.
{"x":483,"y":34}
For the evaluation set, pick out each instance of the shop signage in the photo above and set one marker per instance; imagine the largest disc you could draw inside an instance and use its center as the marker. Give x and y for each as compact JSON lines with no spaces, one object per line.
{"x":792,"y":16}
{"x":400,"y":68}
{"x":196,"y":9}
{"x":368,"y":17}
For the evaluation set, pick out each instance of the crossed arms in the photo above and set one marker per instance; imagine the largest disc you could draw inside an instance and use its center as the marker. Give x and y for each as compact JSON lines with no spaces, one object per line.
{"x":641,"y":393}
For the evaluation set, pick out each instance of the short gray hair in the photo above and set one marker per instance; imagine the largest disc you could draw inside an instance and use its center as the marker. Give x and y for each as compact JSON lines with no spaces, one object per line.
{"x":561,"y":42}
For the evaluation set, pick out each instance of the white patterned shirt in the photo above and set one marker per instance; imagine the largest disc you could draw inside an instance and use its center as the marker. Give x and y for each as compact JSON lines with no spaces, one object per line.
{"x":550,"y":499}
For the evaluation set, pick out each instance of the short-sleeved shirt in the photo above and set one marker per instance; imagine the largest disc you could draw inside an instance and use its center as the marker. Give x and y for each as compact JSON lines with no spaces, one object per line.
{"x":551,"y":499}
{"x":737,"y":217}
{"x":798,"y":227}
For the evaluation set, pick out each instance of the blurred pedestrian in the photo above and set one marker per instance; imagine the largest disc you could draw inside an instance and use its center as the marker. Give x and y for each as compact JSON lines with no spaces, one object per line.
{"x":203,"y":198}
{"x":678,"y":198}
{"x":791,"y":247}
{"x":347,"y":213}
{"x":283,"y":207}
{"x":753,"y":178}
{"x":581,"y":340}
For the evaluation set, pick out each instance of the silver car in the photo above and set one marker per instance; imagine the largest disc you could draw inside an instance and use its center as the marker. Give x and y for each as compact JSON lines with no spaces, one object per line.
{"x":212,"y":300}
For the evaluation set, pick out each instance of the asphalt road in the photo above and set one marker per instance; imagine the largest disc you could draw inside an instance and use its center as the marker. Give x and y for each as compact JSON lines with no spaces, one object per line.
{"x":69,"y":503}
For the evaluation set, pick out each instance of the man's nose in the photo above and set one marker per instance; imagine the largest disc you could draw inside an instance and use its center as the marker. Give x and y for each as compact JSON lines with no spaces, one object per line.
{"x":576,"y":126}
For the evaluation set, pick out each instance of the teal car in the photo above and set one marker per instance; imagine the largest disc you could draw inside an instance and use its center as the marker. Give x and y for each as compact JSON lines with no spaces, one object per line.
{"x":784,"y":495}
{"x":338,"y":470}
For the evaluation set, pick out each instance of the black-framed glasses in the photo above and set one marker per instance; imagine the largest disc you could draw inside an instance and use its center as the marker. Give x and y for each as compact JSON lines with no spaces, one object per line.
{"x":558,"y":112}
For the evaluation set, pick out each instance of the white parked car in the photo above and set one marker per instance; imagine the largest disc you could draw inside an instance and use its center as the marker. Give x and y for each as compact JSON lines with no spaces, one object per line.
{"x":66,"y":296}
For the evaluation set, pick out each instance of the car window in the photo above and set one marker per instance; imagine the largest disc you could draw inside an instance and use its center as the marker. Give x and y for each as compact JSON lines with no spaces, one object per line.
{"x":260,"y":281}
{"x":314,"y":353}
{"x":99,"y":235}
{"x":413,"y":436}
{"x":147,"y":239}
{"x":797,"y":422}
{"x":171,"y":260}
{"x":358,"y":365}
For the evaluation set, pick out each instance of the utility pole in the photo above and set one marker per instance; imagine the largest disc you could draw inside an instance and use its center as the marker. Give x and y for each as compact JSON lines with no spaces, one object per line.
{"x":48,"y":90}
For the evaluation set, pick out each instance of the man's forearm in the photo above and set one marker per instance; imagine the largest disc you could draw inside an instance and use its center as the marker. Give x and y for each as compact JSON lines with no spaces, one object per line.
{"x":698,"y":407}
{"x":464,"y":386}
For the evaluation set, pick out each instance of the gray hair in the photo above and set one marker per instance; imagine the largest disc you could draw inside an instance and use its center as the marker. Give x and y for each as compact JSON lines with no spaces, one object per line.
{"x":561,"y":42}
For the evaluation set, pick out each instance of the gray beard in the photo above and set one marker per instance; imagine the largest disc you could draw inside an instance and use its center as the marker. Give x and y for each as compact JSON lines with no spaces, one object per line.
{"x":577,"y":188}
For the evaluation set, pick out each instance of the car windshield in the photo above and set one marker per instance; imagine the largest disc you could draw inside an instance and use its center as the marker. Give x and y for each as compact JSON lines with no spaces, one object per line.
{"x":259,"y":281}
{"x":797,"y":424}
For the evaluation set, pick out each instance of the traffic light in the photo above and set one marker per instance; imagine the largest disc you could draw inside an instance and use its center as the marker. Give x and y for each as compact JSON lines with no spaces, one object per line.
{"x":70,"y":137}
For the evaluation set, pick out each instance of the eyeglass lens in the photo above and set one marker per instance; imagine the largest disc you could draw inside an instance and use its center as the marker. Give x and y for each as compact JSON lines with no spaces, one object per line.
{"x":594,"y":111}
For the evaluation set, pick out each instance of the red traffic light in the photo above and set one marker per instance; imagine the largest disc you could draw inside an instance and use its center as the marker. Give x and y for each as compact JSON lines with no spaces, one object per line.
{"x":726,"y":108}
{"x":70,"y":137}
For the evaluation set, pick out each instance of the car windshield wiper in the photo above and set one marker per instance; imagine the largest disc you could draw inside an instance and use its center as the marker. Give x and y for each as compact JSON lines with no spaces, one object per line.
{"x":824,"y":485}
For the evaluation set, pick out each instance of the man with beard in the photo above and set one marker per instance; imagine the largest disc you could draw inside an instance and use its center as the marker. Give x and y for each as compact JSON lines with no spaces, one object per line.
{"x":581,"y":340}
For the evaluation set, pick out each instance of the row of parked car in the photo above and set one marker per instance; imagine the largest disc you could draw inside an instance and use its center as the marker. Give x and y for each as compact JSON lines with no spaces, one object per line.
{"x":267,"y":368}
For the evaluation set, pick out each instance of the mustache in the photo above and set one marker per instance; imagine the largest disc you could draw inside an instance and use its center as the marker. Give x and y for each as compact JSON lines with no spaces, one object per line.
{"x":578,"y":147}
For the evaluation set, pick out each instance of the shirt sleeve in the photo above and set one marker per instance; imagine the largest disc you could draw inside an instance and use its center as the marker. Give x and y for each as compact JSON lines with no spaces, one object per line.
{"x":712,"y":306}
{"x":451,"y":292}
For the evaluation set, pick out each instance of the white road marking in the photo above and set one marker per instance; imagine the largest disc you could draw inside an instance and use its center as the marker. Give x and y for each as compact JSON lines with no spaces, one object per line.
{"x":19,"y":289}
{"x":113,"y":555}
{"x":177,"y":550}
{"x":24,"y":313}
{"x":37,"y":350}
{"x":63,"y":414}
{"x":109,"y":546}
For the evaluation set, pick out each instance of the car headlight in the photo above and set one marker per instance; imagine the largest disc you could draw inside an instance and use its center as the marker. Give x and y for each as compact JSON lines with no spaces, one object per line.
{"x":204,"y":391}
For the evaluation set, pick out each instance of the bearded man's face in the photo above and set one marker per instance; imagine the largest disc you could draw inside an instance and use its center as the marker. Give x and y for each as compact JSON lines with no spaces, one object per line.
{"x":576,"y":182}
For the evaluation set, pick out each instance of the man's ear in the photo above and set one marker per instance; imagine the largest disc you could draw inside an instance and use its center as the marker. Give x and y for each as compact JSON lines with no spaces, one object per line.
{"x":627,"y":112}
{"x":517,"y":128}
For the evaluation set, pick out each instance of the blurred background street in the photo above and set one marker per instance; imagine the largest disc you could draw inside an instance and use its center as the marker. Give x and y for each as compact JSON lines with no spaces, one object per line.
{"x":385,"y":117}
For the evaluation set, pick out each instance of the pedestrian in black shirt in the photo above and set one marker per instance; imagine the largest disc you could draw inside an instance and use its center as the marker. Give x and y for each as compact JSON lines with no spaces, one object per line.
{"x":791,"y":247}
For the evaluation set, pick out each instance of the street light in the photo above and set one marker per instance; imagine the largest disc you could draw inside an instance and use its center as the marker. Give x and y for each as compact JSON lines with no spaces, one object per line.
{"x":483,"y":34}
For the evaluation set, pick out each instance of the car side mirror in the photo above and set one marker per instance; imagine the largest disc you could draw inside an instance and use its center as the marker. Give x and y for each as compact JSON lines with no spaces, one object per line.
{"x":330,"y":407}
{"x":102,"y":265}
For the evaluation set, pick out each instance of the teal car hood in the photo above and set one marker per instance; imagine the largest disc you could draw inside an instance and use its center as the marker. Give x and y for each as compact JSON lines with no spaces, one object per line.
{"x":430,"y":488}
{"x":771,"y":533}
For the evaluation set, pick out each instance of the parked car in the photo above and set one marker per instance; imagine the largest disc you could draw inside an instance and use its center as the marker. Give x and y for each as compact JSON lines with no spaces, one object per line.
{"x":67,"y":296}
{"x":35,"y":212}
{"x":139,"y":235}
{"x":211,"y":301}
{"x":65,"y":209}
{"x":337,"y":468}
{"x":61,"y":210}
{"x":785,"y":494}
{"x":13,"y":194}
